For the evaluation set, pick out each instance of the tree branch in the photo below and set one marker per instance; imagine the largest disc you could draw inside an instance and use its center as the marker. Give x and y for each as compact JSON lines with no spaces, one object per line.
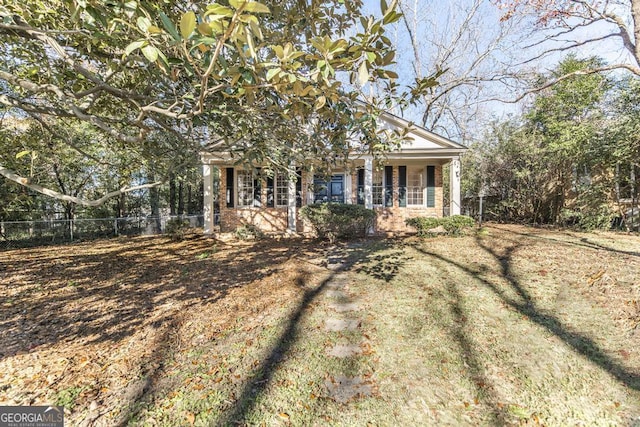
{"x":65,"y":198}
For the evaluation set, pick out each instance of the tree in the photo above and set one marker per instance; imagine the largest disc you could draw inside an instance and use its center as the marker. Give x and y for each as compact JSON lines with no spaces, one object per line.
{"x":238,"y":76}
{"x":456,"y":42}
{"x":565,"y":25}
{"x":552,"y":164}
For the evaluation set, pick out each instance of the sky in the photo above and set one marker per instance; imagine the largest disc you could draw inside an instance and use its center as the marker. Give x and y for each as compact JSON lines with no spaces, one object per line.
{"x":438,"y":24}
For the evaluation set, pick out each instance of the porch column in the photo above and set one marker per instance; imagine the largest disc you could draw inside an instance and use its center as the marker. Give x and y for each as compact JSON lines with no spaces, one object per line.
{"x":291,"y":202}
{"x":348,"y":186}
{"x":368,"y":183}
{"x":454,"y":186}
{"x":207,"y":177}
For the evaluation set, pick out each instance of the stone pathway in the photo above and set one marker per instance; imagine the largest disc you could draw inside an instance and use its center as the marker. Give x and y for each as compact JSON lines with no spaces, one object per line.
{"x":346,"y":317}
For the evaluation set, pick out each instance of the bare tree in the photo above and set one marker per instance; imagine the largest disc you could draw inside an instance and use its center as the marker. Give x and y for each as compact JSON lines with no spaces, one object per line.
{"x":466,"y":46}
{"x":557,"y":26}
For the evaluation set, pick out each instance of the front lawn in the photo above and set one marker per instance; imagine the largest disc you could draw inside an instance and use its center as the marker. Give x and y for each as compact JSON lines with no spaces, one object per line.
{"x":512,"y":326}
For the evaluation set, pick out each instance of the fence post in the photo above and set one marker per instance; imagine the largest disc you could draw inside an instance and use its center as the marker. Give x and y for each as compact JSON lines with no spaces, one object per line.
{"x":115,"y":226}
{"x":71,"y":227}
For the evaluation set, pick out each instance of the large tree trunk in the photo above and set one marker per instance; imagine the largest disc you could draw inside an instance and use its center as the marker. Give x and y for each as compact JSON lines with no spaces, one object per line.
{"x":154,"y":204}
{"x":172,"y":194}
{"x":180,"y":199}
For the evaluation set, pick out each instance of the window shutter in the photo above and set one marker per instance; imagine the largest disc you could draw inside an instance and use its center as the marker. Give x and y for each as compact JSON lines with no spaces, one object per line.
{"x":230,"y":191}
{"x":257,"y":189}
{"x":360,"y":187}
{"x":298,"y":187}
{"x":431,"y":186}
{"x":270,"y":193}
{"x":388,"y":186}
{"x":402,"y":186}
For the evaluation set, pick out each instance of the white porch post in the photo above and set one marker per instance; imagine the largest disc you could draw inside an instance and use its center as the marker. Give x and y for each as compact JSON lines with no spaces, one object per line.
{"x":348,"y":187}
{"x":291,"y":202}
{"x":207,"y":177}
{"x":310,"y":187}
{"x":368,"y":183}
{"x":454,"y":186}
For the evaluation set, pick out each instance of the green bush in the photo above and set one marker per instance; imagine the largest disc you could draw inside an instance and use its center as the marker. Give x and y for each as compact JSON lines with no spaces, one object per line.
{"x":452,"y":225}
{"x":248,"y":232}
{"x":338,"y":220}
{"x":176,"y":228}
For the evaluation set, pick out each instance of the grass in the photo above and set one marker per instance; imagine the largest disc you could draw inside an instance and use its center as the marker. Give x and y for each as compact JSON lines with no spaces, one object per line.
{"x":511,"y":326}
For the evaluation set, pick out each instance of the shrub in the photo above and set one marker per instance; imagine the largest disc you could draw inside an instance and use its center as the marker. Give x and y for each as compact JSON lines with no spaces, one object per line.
{"x":176,"y":228}
{"x":248,"y":232}
{"x":452,"y":225}
{"x":338,"y":220}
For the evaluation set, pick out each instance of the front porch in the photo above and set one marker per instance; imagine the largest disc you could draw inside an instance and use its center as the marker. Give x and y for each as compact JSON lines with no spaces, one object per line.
{"x":398,"y":189}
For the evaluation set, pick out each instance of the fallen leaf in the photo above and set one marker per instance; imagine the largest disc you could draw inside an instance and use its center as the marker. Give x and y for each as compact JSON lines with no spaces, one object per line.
{"x":284,"y":416}
{"x":191,"y":418}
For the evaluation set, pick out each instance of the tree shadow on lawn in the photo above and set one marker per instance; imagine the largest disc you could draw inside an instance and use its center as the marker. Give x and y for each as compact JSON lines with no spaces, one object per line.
{"x":108,"y":294}
{"x":584,"y":242}
{"x":527,"y":307}
{"x":458,"y":330}
{"x":263,"y":374}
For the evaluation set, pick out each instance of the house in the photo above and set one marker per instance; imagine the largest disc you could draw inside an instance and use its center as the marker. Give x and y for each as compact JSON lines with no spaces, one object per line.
{"x":408,"y":184}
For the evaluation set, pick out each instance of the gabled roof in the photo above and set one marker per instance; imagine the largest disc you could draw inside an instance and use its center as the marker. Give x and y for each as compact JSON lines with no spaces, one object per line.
{"x":420,"y":134}
{"x":422,"y":144}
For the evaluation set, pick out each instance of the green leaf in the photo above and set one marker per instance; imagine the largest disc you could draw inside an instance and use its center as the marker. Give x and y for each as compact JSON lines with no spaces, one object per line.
{"x":205,"y":29}
{"x":391,"y":74}
{"x":383,"y":7}
{"x":363,"y":74}
{"x":255,"y":7}
{"x":320,"y":102}
{"x":133,"y":46}
{"x":168,"y":25}
{"x":22,"y":153}
{"x":272,"y":72}
{"x":216,"y":9}
{"x":236,"y":3}
{"x":187,"y":24}
{"x":150,"y":52}
{"x":143,"y":23}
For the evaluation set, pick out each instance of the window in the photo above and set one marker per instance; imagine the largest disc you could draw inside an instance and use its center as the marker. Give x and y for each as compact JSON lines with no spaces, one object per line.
{"x":282,"y":190}
{"x":415,"y":186}
{"x":248,"y":189}
{"x":377,"y":188}
{"x":332,"y":191}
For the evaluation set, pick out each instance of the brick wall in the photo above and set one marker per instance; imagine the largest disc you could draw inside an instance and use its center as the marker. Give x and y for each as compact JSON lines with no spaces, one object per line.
{"x":274,"y":220}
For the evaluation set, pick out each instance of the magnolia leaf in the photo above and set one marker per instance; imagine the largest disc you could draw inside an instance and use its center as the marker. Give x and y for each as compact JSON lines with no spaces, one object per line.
{"x":143,"y":23}
{"x":150,"y":52}
{"x":205,"y":29}
{"x":22,"y":153}
{"x":216,"y":27}
{"x":236,"y":3}
{"x":363,"y":74}
{"x":168,"y":25}
{"x":216,"y":9}
{"x":272,"y":72}
{"x":255,"y":7}
{"x":187,"y":24}
{"x":133,"y":46}
{"x":320,"y":102}
{"x":391,"y":74}
{"x":383,"y":7}
{"x":279,"y":52}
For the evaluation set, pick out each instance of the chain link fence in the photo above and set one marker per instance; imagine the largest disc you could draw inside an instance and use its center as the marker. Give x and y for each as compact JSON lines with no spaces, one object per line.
{"x":24,"y":233}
